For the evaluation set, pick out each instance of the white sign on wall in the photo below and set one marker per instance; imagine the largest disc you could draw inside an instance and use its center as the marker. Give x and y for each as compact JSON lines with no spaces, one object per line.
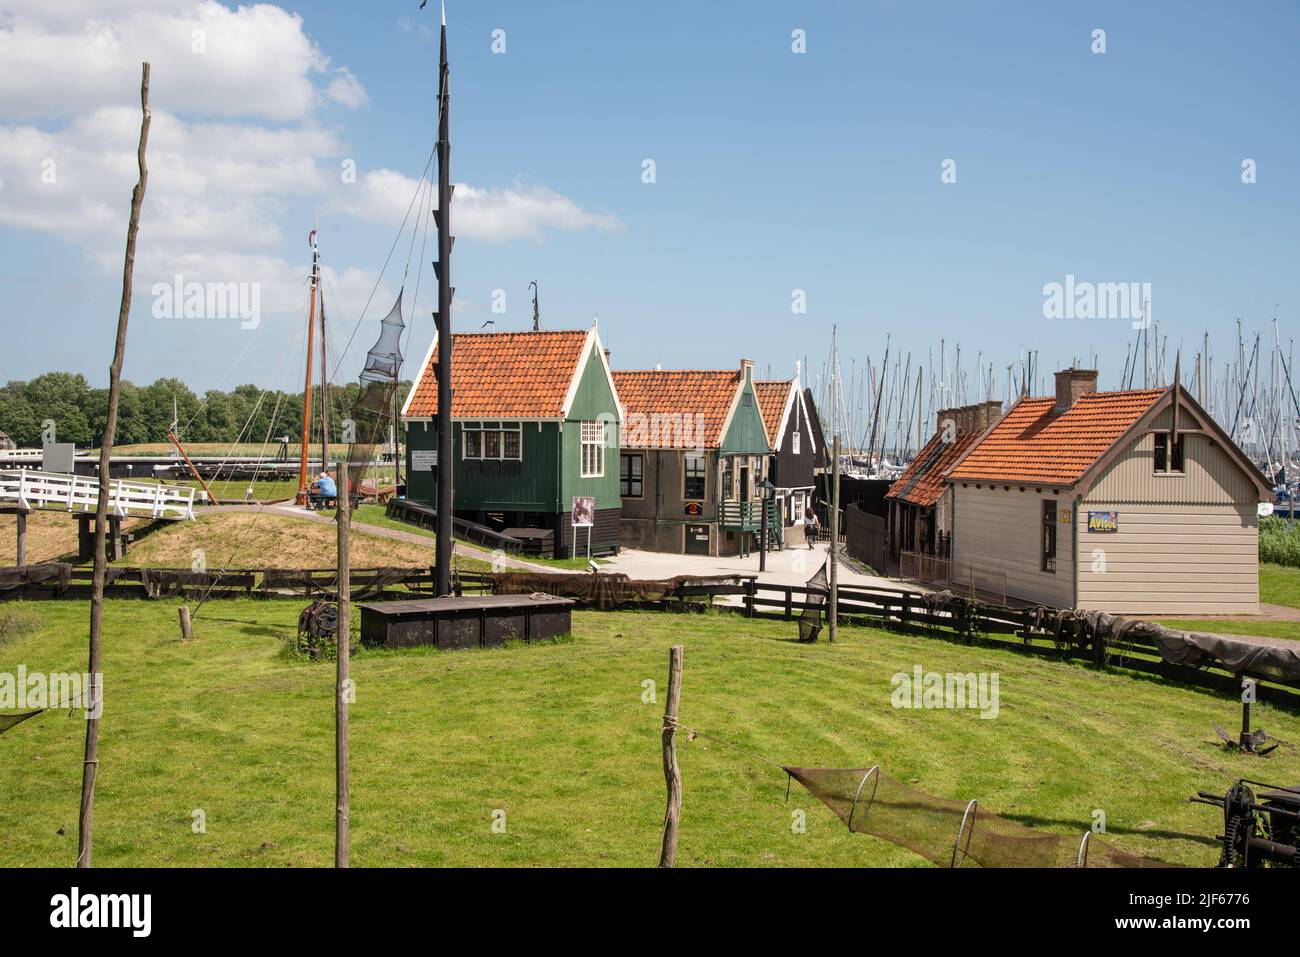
{"x":424,"y":460}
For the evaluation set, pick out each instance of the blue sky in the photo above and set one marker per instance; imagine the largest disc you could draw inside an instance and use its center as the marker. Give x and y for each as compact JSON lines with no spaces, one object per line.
{"x":775,"y":171}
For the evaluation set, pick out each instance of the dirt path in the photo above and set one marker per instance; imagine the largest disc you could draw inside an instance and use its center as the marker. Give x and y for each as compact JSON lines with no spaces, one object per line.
{"x":396,"y":534}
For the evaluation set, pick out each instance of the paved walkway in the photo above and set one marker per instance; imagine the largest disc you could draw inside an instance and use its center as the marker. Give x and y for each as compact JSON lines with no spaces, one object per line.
{"x":789,"y":566}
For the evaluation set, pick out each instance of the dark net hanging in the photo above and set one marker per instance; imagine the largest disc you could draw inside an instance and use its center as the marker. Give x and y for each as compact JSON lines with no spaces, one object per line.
{"x":372,"y":412}
{"x":384,"y":360}
{"x":810,"y":622}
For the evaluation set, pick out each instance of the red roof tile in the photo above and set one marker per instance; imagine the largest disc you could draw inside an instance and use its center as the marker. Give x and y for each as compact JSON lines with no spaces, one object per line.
{"x":772,"y":396}
{"x":922,"y":481}
{"x":1034,"y":444}
{"x":503,"y":375}
{"x":652,"y":398}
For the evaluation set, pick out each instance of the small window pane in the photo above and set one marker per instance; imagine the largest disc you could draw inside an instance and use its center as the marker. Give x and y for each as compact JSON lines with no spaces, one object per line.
{"x":693,"y":485}
{"x":510,"y":445}
{"x":473,"y":445}
{"x":491,"y":445}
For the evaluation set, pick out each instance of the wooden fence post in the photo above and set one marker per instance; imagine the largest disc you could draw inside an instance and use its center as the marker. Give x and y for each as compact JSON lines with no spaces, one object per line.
{"x":187,"y":629}
{"x":21,"y":557}
{"x":750,"y":587}
{"x":672,"y":774}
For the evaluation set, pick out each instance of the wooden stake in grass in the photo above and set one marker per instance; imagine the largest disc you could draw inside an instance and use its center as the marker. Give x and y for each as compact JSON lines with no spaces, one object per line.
{"x":342,"y":651}
{"x":187,"y":629}
{"x":94,"y":694}
{"x":672,"y":774}
{"x":21,"y":556}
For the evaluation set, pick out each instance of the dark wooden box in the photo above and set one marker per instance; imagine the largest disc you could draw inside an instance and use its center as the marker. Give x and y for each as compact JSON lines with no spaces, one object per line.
{"x":472,"y":621}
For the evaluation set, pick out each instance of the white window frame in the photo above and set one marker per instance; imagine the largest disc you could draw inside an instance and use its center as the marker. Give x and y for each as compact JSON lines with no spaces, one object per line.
{"x":591,"y":448}
{"x":481,"y":428}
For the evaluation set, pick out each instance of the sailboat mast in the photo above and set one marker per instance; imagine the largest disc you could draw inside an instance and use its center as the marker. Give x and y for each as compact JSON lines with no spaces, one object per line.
{"x":306,"y":389}
{"x":324,"y":382}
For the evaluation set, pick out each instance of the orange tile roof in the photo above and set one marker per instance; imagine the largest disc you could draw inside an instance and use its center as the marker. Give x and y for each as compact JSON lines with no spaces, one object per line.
{"x":772,"y":395}
{"x":922,"y":481}
{"x":673,"y":393}
{"x":503,"y":375}
{"x":1034,"y":444}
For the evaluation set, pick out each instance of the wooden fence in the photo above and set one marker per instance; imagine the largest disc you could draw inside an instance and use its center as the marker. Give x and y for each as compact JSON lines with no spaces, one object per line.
{"x":1021,"y":629}
{"x":864,"y":537}
{"x":1045,"y":632}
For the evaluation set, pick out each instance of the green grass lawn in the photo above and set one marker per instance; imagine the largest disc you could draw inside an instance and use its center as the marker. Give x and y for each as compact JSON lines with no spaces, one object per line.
{"x":1279,"y":585}
{"x":558,"y":737}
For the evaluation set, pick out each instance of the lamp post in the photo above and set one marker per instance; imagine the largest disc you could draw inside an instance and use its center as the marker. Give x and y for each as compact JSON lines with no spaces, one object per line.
{"x":767,"y":488}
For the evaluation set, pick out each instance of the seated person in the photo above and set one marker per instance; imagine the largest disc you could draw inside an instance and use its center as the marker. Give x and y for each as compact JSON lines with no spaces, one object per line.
{"x":323,"y":490}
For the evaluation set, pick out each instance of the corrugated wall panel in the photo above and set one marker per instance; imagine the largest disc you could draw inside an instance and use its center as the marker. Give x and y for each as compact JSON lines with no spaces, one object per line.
{"x":1210,"y":475}
{"x":1171,"y":559}
{"x":999,"y":529}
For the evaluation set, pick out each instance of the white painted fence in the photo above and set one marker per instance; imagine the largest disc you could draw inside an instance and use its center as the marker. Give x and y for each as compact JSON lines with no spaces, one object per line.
{"x":30,"y":489}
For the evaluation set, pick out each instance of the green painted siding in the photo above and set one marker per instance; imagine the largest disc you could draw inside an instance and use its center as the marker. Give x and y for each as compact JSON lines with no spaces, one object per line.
{"x":593,"y":401}
{"x":528,"y":485}
{"x":548,"y":476}
{"x":746,"y":435}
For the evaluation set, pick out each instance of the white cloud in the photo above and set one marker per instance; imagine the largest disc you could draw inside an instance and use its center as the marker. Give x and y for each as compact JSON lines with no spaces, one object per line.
{"x":346,"y":89}
{"x":493,"y":214}
{"x":233,"y":144}
{"x":61,"y":58}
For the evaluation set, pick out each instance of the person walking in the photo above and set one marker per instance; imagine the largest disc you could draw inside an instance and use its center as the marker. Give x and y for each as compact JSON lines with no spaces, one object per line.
{"x":812,"y":525}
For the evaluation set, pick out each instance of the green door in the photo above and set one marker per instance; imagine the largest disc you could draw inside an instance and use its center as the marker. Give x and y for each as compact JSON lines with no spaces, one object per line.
{"x":697,"y":539}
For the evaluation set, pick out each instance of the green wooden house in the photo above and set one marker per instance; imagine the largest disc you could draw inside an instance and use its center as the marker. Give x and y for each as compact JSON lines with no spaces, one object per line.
{"x":695,"y":450}
{"x":536,"y":425}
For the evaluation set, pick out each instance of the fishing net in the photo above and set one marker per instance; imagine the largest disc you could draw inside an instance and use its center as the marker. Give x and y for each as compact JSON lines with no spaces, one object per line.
{"x":946,"y":832}
{"x":7,"y":721}
{"x":384,"y":360}
{"x":371,"y":414}
{"x":810,"y":620}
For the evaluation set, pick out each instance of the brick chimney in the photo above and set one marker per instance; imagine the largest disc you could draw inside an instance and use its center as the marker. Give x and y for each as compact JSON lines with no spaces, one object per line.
{"x":1072,"y":383}
{"x":970,"y":418}
{"x":988,"y":414}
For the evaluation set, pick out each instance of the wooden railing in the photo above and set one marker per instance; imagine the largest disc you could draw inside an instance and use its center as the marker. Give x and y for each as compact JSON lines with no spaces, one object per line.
{"x":55,"y":491}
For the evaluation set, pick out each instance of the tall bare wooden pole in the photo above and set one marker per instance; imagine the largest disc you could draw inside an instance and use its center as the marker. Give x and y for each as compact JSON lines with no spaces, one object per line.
{"x":342,"y":653}
{"x":672,"y":773}
{"x":94,"y":694}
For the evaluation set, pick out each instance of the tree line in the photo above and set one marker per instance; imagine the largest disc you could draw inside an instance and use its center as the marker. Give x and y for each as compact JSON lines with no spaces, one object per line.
{"x":65,"y":404}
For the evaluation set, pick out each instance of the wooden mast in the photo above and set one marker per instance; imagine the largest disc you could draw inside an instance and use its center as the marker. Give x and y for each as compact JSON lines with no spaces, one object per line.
{"x":306,"y":389}
{"x":324,"y":379}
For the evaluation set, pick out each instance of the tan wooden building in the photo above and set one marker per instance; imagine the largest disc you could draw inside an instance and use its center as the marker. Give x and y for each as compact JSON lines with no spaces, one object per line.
{"x":1133,"y":502}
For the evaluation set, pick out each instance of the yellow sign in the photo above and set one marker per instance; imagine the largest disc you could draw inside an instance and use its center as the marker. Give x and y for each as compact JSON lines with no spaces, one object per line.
{"x":1103,"y":521}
